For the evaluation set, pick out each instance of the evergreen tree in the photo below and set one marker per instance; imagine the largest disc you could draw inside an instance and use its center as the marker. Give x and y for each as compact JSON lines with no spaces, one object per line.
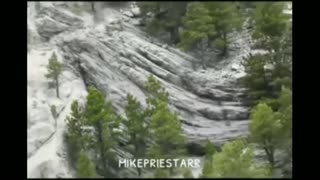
{"x":207,"y":167}
{"x":210,"y":149}
{"x":265,"y":130}
{"x":54,"y":72}
{"x":165,"y":127}
{"x":256,"y":80}
{"x":136,"y":128}
{"x":198,"y":28}
{"x":265,"y":84}
{"x":273,"y":32}
{"x":167,"y":132}
{"x":100,"y":114}
{"x":207,"y":23}
{"x":271,"y":23}
{"x":227,"y":18}
{"x":86,"y":167}
{"x":285,"y":115}
{"x":157,"y":92}
{"x":167,"y":17}
{"x":236,"y":160}
{"x":74,"y":135}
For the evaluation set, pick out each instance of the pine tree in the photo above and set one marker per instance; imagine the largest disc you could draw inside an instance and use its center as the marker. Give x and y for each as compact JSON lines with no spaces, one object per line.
{"x":270,"y":24}
{"x":198,"y":28}
{"x":86,"y":167}
{"x":54,"y":72}
{"x":227,"y":18}
{"x":210,"y":149}
{"x":265,"y":84}
{"x":100,"y":114}
{"x":285,"y":115}
{"x":236,"y":160}
{"x":167,"y":17}
{"x":136,"y":128}
{"x":265,"y":130}
{"x":207,"y":167}
{"x":74,"y":135}
{"x":165,"y":127}
{"x":157,"y":92}
{"x":167,"y":132}
{"x":273,"y":32}
{"x":256,"y":80}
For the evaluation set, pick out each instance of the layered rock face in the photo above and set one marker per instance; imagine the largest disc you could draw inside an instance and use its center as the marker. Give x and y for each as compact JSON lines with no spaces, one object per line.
{"x":117,"y":58}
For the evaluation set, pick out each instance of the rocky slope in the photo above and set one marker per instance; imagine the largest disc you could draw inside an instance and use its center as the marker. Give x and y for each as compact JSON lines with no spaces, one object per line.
{"x":116,"y":57}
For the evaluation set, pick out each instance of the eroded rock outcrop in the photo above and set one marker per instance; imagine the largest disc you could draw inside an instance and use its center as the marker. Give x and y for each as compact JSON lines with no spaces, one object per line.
{"x":118,"y":62}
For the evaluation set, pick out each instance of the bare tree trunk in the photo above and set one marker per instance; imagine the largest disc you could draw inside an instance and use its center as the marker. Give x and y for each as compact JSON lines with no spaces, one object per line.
{"x":269,"y":150}
{"x":202,"y":49}
{"x":174,"y":35}
{"x":101,"y":146}
{"x":92,"y":7}
{"x":57,"y":87}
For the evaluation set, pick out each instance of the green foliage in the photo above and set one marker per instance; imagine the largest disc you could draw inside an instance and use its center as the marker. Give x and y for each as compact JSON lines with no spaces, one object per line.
{"x":273,"y":32}
{"x":96,"y":107}
{"x":210,"y":149}
{"x":161,"y":173}
{"x":272,"y":130}
{"x":136,"y":128}
{"x":273,"y":103}
{"x":226,"y":18}
{"x":100,"y":114}
{"x":236,"y":160}
{"x":74,"y":136}
{"x":264,"y":125}
{"x":165,"y":127}
{"x":54,"y":70}
{"x":207,"y":167}
{"x":255,"y":79}
{"x":210,"y":22}
{"x":285,"y":116}
{"x":266,"y":129}
{"x":263,"y":83}
{"x":270,"y":24}
{"x":198,"y":26}
{"x":187,"y":174}
{"x":167,"y":132}
{"x":219,"y":43}
{"x":135,"y":124}
{"x":54,"y":67}
{"x":154,"y":87}
{"x":86,"y":167}
{"x":167,"y":17}
{"x":158,"y":93}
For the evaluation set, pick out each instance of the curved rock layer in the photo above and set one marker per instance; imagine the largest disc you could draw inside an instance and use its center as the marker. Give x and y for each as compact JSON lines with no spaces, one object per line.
{"x":117,"y":57}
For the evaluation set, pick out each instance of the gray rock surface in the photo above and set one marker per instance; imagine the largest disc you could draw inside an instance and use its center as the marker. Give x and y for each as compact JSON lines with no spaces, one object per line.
{"x":52,"y":21}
